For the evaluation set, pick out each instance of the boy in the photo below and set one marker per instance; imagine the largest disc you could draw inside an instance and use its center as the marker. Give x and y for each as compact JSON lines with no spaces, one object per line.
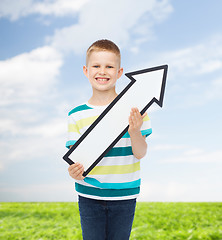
{"x":107,"y":196}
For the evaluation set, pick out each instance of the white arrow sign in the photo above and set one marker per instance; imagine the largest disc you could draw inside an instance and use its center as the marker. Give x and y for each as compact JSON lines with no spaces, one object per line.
{"x":146,"y":87}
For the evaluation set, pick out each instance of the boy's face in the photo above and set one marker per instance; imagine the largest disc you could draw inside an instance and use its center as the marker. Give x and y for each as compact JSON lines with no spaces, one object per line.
{"x":103,"y":70}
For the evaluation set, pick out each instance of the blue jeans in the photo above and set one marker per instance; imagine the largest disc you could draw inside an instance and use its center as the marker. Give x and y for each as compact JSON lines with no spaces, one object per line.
{"x":106,"y":220}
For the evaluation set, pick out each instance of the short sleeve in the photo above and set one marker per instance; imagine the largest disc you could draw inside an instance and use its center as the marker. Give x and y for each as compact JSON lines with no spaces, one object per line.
{"x":146,"y":129}
{"x":73,"y":132}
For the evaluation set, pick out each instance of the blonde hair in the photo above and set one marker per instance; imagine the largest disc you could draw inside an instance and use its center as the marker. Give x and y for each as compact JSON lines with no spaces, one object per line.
{"x":103,"y":45}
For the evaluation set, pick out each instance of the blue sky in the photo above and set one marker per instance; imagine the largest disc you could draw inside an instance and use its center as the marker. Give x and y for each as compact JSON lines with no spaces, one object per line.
{"x":42,"y":51}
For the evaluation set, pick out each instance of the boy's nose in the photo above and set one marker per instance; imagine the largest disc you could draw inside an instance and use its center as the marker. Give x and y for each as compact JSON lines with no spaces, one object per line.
{"x":102,"y":71}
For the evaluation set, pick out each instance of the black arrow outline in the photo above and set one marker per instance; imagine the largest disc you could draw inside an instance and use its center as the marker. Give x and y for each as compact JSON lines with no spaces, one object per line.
{"x":130,"y":76}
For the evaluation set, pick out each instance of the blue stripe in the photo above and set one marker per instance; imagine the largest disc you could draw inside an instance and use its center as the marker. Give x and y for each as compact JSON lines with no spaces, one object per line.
{"x":79,"y":108}
{"x":119,"y":151}
{"x":70,"y":143}
{"x":125,"y":185}
{"x":106,"y":192}
{"x":145,"y":132}
{"x":126,"y":135}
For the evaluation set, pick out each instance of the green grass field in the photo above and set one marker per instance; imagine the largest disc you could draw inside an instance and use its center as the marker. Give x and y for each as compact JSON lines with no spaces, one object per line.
{"x":162,"y":221}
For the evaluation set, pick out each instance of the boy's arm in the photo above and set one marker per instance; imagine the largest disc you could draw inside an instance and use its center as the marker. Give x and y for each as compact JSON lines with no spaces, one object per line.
{"x":138,"y":142}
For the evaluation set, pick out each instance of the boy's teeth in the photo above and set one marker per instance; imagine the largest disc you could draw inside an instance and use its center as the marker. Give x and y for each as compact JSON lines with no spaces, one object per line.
{"x":102,"y":79}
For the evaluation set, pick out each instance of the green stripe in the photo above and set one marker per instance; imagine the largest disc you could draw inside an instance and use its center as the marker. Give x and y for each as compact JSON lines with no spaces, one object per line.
{"x":94,"y":182}
{"x":79,"y":108}
{"x":119,"y":151}
{"x":106,"y":192}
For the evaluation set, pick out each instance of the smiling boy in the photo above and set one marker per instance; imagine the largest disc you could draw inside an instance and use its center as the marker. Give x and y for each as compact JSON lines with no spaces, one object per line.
{"x":107,"y":196}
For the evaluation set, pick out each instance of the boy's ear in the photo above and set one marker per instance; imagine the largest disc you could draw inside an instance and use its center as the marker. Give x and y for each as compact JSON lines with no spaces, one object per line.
{"x":85,"y":71}
{"x":120,"y":72}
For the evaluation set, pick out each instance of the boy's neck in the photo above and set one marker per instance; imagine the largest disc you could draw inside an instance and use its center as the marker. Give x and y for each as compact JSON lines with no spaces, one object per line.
{"x":102,"y":98}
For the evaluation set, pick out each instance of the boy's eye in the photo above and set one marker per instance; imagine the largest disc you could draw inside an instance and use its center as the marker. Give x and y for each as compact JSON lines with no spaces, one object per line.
{"x":96,"y":66}
{"x":109,"y":66}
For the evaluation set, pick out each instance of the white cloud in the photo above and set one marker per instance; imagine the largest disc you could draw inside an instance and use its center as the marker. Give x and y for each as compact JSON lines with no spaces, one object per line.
{"x":49,"y":129}
{"x":194,"y":73}
{"x":153,"y":191}
{"x":53,"y":192}
{"x":59,"y":7}
{"x":29,"y":149}
{"x":19,"y":125}
{"x":26,"y":77}
{"x":23,"y":141}
{"x":15,"y":9}
{"x":198,"y":191}
{"x":182,"y":153}
{"x":29,"y":121}
{"x":214,"y":89}
{"x":196,"y":156}
{"x":200,"y":59}
{"x":164,"y":147}
{"x":125,"y":22}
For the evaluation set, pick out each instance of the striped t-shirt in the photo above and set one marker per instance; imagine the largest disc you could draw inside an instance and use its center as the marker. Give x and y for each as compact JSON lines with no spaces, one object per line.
{"x":117,"y":175}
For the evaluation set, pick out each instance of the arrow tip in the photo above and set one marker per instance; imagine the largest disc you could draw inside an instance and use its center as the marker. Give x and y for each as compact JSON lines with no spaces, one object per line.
{"x":160,"y":101}
{"x":157,"y":80}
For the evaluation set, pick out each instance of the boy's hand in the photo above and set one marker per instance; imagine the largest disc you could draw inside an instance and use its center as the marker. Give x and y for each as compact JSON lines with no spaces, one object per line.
{"x":135,"y":121}
{"x":76,"y":170}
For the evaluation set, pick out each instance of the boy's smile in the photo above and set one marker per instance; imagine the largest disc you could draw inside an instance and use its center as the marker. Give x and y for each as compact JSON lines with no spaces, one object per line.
{"x":103,"y":70}
{"x":102,"y":80}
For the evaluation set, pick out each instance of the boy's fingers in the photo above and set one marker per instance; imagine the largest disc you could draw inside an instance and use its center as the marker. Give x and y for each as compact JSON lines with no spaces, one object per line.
{"x":130,"y":120}
{"x":76,"y":170}
{"x":131,"y":117}
{"x":136,"y":112}
{"x":137,"y":116}
{"x":133,"y":109}
{"x":71,"y":167}
{"x":79,"y":169}
{"x":144,"y":115}
{"x":77,"y":164}
{"x":133,"y":120}
{"x":80,"y":175}
{"x":75,"y":167}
